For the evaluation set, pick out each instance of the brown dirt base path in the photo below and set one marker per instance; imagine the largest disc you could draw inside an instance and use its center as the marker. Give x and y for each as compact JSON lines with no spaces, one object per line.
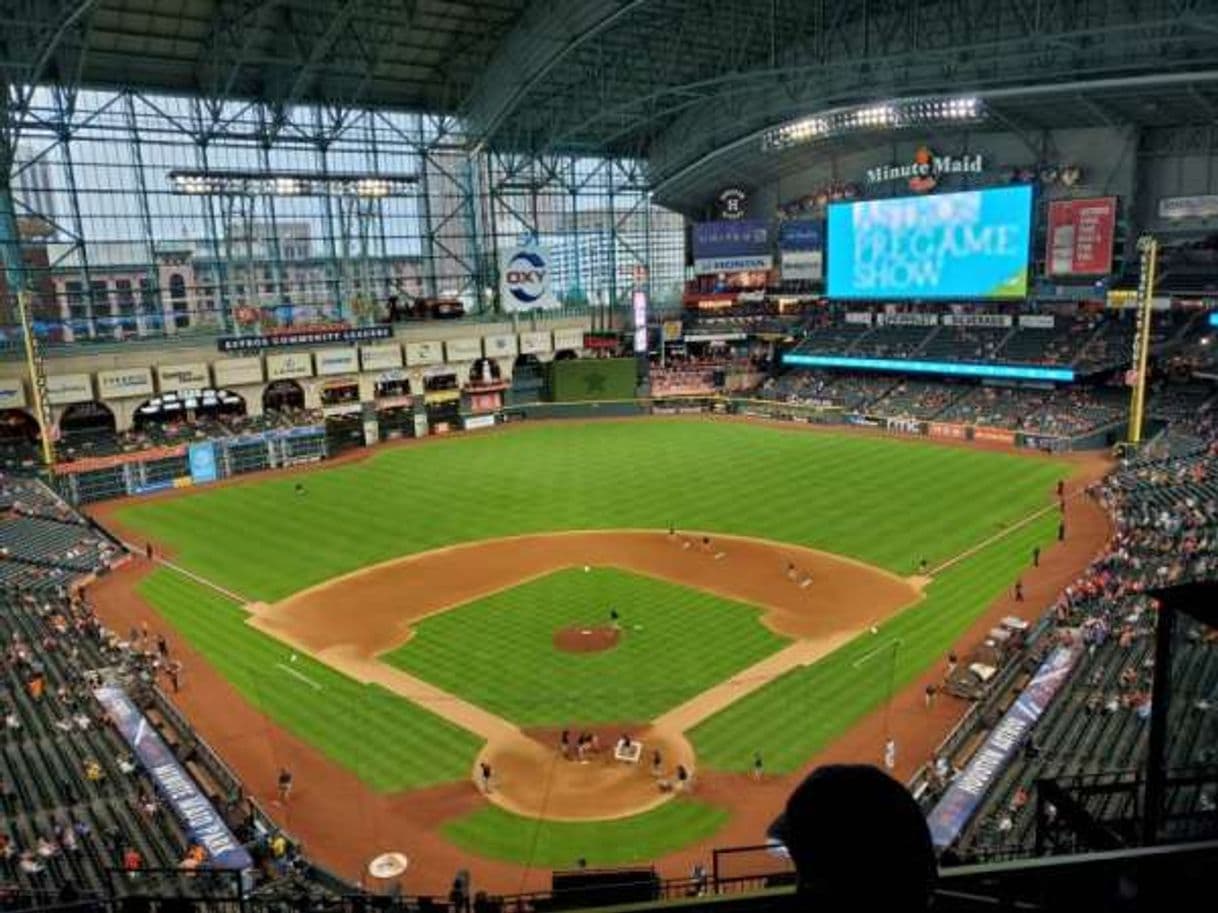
{"x":820,"y":600}
{"x":344,"y":824}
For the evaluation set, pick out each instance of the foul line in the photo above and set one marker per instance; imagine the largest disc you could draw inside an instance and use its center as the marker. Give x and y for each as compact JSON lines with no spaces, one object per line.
{"x":300,"y":675}
{"x":211,"y":585}
{"x":1001,"y":534}
{"x":866,"y":657}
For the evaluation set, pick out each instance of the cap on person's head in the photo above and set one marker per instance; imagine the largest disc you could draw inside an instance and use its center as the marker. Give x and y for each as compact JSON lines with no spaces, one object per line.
{"x":857,"y":836}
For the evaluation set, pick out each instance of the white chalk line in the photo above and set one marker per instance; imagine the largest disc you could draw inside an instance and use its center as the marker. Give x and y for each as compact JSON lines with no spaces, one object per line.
{"x":1001,"y":534}
{"x":300,"y":675}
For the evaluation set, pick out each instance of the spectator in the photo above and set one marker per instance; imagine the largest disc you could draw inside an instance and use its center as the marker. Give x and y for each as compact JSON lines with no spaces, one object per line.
{"x":858,"y":841}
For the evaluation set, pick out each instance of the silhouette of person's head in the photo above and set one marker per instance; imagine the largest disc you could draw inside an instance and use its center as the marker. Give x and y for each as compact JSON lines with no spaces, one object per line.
{"x":858,"y":841}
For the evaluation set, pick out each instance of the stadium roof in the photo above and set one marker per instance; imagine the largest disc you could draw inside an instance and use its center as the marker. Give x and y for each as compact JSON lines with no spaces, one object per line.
{"x":689,"y":84}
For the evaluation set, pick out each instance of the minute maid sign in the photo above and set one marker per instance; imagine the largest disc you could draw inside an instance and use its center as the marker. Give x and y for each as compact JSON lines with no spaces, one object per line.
{"x":923,"y":173}
{"x":524,"y":280}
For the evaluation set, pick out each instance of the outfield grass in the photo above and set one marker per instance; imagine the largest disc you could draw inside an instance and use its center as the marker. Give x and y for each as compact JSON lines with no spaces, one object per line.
{"x":498,"y":652}
{"x":887,"y":502}
{"x":491,"y":831}
{"x":388,"y":742}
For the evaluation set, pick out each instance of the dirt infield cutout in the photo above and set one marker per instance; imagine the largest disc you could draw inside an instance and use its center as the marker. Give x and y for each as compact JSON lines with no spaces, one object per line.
{"x":819,"y":600}
{"x":579,"y":639}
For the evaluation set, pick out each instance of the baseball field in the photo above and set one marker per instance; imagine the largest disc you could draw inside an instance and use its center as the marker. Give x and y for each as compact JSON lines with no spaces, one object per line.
{"x":721,"y":592}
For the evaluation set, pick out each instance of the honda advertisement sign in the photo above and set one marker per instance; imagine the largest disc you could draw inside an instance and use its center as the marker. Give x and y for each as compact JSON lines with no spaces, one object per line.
{"x":524,"y":280}
{"x":731,"y":246}
{"x":1080,"y":237}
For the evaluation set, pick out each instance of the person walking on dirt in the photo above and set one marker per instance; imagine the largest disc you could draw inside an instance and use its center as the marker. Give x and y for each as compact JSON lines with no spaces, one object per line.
{"x":484,"y":776}
{"x":890,"y":754}
{"x":285,"y":784}
{"x":758,"y":766}
{"x":657,"y":763}
{"x":1019,"y":591}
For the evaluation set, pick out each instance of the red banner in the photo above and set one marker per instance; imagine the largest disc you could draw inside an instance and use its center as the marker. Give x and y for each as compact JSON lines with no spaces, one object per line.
{"x":994,"y":435}
{"x":1079,"y":238}
{"x":110,"y":460}
{"x":946,"y":429}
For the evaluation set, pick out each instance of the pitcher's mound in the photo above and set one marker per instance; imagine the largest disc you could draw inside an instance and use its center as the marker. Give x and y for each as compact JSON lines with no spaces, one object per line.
{"x":578,"y":639}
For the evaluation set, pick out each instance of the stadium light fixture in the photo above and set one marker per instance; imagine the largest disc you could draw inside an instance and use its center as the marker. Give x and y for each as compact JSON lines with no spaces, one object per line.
{"x":889,"y":115}
{"x":291,"y":184}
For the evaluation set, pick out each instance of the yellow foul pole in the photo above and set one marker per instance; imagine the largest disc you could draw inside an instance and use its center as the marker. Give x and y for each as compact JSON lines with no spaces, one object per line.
{"x":1148,"y":247}
{"x":33,"y":363}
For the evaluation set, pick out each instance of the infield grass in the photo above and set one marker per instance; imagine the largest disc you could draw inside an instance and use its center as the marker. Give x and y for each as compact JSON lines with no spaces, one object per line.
{"x":498,"y":652}
{"x":491,"y":831}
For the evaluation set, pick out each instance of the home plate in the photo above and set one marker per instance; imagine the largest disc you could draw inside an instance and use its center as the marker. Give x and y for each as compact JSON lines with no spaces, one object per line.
{"x":807,"y":583}
{"x":586,"y":631}
{"x":719,"y":555}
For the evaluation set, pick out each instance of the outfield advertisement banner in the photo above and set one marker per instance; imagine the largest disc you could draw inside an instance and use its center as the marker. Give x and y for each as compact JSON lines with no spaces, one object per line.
{"x":233,"y":372}
{"x":1079,"y":237}
{"x":200,"y":819}
{"x":202,"y":460}
{"x":802,"y":265}
{"x":948,"y":818}
{"x":63,"y":389}
{"x":335,"y":361}
{"x":994,"y":435}
{"x":12,"y":393}
{"x":193,"y":376}
{"x":377,"y":358}
{"x":535,"y":341}
{"x":947,"y":429}
{"x":286,"y":367}
{"x":124,"y":383}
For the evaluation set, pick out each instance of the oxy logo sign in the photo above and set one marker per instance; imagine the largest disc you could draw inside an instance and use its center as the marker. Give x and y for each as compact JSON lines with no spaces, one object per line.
{"x":526,"y":280}
{"x":526,"y":277}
